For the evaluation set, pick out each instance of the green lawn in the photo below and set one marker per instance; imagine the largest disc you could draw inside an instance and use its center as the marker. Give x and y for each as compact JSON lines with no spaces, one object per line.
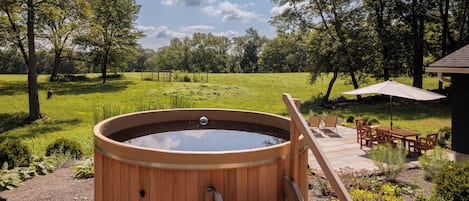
{"x":70,"y":113}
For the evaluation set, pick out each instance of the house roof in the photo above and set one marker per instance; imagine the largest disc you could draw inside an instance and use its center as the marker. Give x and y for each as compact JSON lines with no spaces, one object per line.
{"x":456,"y":62}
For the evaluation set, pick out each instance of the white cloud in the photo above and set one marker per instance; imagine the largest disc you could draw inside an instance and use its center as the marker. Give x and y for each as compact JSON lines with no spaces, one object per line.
{"x":230,"y":11}
{"x":156,"y":37}
{"x":196,"y":28}
{"x":229,"y":34}
{"x":157,"y":142}
{"x":198,"y":134}
{"x":185,"y":2}
{"x":159,"y":32}
{"x":280,"y":9}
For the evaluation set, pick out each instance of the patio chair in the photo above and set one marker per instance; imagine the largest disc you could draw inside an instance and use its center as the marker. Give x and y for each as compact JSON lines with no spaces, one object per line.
{"x":385,"y":137}
{"x":423,"y":144}
{"x":314,"y":123}
{"x":367,"y":135}
{"x":359,"y":123}
{"x":331,"y":122}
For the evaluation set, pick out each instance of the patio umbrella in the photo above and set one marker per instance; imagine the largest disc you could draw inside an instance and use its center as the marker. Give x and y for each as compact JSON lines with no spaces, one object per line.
{"x":393,"y":88}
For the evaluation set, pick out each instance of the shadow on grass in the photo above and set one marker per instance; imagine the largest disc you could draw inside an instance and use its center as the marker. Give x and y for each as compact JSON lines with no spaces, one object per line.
{"x":50,"y":126}
{"x":13,"y":88}
{"x":12,"y":121}
{"x":75,"y":88}
{"x":378,"y":106}
{"x":34,"y":129}
{"x":66,"y":88}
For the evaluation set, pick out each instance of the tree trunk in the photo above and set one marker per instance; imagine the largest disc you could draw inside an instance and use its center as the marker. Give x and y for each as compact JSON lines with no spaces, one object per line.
{"x":417,"y":30}
{"x":383,"y":37}
{"x":104,"y":64}
{"x":444,"y":9}
{"x":355,"y":83}
{"x":104,"y":68}
{"x":55,"y":69}
{"x":331,"y":84}
{"x":34,"y":109}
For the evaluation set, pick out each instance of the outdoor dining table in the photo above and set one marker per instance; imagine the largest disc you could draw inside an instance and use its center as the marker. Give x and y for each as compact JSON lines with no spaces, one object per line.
{"x":399,"y":133}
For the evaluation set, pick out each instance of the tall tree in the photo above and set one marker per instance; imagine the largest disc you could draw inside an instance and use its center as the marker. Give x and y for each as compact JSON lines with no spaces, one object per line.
{"x":337,"y":30}
{"x":252,"y":48}
{"x":61,"y":20}
{"x":20,"y":24}
{"x":110,"y":30}
{"x":285,"y":53}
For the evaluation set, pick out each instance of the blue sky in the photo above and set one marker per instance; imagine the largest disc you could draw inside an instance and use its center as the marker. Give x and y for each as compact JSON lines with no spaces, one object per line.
{"x":162,"y":20}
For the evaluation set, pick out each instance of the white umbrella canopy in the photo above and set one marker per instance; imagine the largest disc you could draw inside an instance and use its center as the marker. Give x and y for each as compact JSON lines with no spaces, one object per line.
{"x":393,"y":88}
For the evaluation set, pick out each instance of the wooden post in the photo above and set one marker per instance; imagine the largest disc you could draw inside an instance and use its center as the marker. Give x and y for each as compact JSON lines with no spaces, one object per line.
{"x":294,"y":146}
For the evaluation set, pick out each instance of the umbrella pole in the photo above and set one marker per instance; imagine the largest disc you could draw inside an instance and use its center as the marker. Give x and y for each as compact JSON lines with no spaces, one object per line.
{"x":390,"y":109}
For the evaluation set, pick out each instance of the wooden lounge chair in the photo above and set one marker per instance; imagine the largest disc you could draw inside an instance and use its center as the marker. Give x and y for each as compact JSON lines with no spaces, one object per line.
{"x":359,"y":123}
{"x":367,"y":136}
{"x":331,"y":122}
{"x":314,"y":123}
{"x":423,"y":144}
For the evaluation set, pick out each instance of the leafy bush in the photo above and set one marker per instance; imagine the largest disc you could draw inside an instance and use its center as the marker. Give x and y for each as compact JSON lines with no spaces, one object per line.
{"x":350,"y":119}
{"x":14,"y":153}
{"x":363,"y":195}
{"x":359,"y":179}
{"x":64,"y":147}
{"x":444,"y":136}
{"x":26,"y":173}
{"x":390,"y":160}
{"x":373,"y":121}
{"x":432,"y":162}
{"x":84,"y":169}
{"x":452,"y":182}
{"x":387,"y":192}
{"x":9,"y":179}
{"x":186,"y":78}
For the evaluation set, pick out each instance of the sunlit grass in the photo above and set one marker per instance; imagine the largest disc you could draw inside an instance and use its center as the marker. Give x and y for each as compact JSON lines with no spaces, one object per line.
{"x":69,"y":113}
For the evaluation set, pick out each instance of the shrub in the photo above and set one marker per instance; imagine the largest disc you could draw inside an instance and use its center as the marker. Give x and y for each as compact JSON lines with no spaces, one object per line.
{"x":360,"y":179}
{"x":362,"y":195}
{"x":186,"y":78}
{"x":64,"y":146}
{"x":9,"y":179}
{"x":43,"y":165}
{"x":350,"y":119}
{"x":84,"y":169}
{"x":452,"y":182}
{"x":444,"y":136}
{"x":390,"y":160}
{"x":14,"y":153}
{"x":373,"y":121}
{"x":432,"y":162}
{"x":387,"y":192}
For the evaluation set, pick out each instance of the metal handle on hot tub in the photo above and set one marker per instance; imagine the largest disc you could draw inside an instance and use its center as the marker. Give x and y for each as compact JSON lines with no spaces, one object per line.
{"x":211,"y":194}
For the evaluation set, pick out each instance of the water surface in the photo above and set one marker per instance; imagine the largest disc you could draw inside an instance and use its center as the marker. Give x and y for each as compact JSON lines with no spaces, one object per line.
{"x":205,"y":140}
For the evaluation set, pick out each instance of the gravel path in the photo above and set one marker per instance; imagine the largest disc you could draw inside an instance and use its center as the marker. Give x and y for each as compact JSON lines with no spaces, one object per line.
{"x":58,"y":185}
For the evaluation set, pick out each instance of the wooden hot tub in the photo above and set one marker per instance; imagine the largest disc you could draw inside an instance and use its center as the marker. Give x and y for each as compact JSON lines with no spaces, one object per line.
{"x":128,"y":172}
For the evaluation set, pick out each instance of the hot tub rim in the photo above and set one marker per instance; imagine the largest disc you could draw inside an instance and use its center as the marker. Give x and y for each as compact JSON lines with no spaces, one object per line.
{"x":171,"y":159}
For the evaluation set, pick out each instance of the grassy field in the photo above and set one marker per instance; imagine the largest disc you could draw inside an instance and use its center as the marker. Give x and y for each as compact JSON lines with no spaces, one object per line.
{"x":71,"y":112}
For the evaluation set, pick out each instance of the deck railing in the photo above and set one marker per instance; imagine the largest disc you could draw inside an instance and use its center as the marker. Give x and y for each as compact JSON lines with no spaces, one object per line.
{"x":299,"y":126}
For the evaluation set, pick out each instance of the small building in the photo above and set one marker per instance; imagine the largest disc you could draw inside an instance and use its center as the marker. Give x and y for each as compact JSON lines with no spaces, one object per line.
{"x":456,"y":65}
